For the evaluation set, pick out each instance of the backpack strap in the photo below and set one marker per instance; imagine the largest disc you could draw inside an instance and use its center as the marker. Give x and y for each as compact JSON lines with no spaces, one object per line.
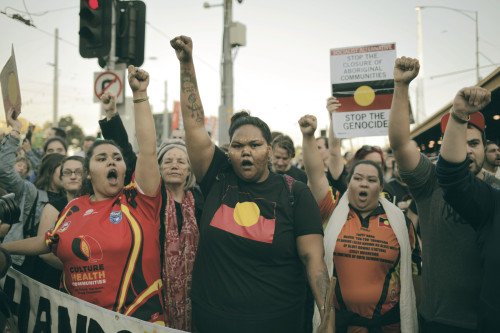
{"x":29,"y":226}
{"x":289,"y":185}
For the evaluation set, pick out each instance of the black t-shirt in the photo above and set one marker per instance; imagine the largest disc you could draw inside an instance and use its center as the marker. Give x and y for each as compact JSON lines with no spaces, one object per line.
{"x":247,"y":266}
{"x":296,"y":174}
{"x":59,"y":203}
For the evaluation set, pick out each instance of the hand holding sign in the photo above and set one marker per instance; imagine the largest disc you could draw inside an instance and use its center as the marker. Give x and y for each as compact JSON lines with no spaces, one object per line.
{"x":308,"y":125}
{"x":332,"y":104}
{"x":14,"y":123}
{"x":405,"y":70}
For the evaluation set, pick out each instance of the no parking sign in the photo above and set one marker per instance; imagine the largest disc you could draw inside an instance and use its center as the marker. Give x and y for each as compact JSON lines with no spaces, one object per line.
{"x":110,"y":81}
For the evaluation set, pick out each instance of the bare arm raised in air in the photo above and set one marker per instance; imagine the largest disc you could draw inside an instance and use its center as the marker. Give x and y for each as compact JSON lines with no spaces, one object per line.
{"x":312,"y":159}
{"x":336,"y":162}
{"x":405,"y":152}
{"x":199,"y":146}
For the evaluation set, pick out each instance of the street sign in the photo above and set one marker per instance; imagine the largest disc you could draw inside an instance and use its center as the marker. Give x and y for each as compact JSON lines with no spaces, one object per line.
{"x":110,"y":81}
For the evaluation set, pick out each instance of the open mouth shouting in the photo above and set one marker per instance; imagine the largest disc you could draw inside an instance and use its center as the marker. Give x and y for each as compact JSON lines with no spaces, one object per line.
{"x":113,"y":177}
{"x":246,"y":165}
{"x":363,"y":196}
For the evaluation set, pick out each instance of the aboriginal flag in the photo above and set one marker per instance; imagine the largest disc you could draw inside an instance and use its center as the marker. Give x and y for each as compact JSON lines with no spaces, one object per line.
{"x":364,"y":96}
{"x":245,"y":220}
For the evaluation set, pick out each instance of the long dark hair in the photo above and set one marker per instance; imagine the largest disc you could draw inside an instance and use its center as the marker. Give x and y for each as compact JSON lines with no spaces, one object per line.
{"x":86,"y":183}
{"x":48,"y":165}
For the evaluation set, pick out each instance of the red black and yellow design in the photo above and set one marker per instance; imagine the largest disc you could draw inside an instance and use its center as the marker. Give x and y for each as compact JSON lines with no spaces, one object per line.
{"x":364,"y":96}
{"x":245,"y":220}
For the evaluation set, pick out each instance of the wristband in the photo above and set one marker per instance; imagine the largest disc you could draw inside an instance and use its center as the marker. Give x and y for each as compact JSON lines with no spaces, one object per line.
{"x":140,"y":100}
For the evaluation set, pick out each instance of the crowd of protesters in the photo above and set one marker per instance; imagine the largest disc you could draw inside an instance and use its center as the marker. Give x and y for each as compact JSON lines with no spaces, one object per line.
{"x":244,"y":238}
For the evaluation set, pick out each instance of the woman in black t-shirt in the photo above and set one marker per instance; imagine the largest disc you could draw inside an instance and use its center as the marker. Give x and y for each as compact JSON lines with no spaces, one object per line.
{"x":258,"y":229}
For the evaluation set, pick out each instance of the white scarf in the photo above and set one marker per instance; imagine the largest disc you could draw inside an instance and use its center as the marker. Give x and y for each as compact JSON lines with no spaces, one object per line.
{"x":407,"y":302}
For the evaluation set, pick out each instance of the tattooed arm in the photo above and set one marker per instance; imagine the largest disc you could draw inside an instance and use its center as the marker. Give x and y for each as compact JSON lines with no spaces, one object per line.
{"x":311,"y":252}
{"x":199,"y":146}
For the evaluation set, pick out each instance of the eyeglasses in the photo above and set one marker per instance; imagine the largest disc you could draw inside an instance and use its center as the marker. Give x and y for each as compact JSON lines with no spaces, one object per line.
{"x":68,"y":173}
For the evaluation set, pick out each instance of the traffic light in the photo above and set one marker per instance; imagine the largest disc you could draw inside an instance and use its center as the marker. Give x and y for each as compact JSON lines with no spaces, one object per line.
{"x":95,"y":27}
{"x":130,"y":32}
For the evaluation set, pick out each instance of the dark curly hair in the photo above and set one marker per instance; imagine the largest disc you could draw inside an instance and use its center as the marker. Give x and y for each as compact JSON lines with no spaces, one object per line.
{"x":243,"y":118}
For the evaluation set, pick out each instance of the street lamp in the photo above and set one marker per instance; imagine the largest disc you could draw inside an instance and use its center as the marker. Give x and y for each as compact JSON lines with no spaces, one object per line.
{"x":465,"y":13}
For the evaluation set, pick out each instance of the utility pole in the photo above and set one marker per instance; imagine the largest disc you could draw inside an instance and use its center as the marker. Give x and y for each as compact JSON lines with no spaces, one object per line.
{"x":226,"y":108}
{"x":166,"y":118}
{"x":420,"y":103}
{"x":56,"y":84}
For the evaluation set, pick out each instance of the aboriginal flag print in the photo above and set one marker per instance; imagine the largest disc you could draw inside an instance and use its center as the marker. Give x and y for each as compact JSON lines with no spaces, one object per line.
{"x":384,"y":222}
{"x":364,"y":96}
{"x":251,"y":218}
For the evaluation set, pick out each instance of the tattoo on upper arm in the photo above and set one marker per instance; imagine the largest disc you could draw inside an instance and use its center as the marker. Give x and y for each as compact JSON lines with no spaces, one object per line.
{"x":190,"y":87}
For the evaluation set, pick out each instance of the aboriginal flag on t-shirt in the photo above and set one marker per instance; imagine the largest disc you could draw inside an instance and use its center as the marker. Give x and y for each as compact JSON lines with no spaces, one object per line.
{"x":247,"y":219}
{"x":364,"y":96}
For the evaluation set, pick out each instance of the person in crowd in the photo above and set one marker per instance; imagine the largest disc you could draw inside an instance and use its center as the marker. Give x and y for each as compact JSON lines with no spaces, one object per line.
{"x":492,"y":158}
{"x":254,"y":241}
{"x":451,"y":279}
{"x":370,"y":247}
{"x":30,"y":197}
{"x":323,"y":147}
{"x":282,"y":154}
{"x":179,"y":233}
{"x":180,"y":215}
{"x":88,"y":141}
{"x":71,"y":175}
{"x":337,"y":169}
{"x":22,"y":166}
{"x":117,"y":224}
{"x":53,"y":145}
{"x":476,"y":201}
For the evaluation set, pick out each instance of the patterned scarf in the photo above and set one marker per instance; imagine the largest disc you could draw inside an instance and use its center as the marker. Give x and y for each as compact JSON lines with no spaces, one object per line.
{"x":179,"y":254}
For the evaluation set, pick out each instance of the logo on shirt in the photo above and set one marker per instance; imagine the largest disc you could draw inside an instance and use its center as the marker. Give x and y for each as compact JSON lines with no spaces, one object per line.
{"x":384,"y":222}
{"x":88,"y":212}
{"x":115,"y":216}
{"x":87,"y":248}
{"x":64,"y":226}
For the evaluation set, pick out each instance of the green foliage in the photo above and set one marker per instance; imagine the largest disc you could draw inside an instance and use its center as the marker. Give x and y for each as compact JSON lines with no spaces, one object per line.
{"x":74,"y":133}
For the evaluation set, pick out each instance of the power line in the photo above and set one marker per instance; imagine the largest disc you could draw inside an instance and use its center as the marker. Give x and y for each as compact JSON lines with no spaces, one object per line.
{"x":169,"y":38}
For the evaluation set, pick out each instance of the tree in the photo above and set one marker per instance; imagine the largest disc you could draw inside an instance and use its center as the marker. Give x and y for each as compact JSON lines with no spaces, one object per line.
{"x":74,"y":133}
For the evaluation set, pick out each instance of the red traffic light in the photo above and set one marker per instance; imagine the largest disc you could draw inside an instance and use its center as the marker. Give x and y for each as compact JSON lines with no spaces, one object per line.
{"x":94,"y":4}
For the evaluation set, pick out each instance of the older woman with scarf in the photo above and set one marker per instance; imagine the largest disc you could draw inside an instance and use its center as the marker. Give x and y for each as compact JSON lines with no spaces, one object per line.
{"x":369,"y":247}
{"x":179,"y":234}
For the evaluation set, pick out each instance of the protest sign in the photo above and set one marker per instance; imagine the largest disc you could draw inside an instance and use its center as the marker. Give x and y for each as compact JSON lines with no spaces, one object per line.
{"x":362,"y":81}
{"x":39,"y":308}
{"x":9,"y":81}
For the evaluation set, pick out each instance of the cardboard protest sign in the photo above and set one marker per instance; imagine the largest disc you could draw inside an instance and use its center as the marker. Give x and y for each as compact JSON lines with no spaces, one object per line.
{"x":10,"y":86}
{"x":362,"y":80}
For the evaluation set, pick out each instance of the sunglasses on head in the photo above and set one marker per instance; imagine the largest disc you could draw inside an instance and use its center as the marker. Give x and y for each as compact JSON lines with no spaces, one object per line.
{"x":371,"y":148}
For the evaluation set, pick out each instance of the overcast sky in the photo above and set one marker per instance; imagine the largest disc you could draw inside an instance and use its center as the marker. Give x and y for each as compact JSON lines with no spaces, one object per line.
{"x":281,"y":74}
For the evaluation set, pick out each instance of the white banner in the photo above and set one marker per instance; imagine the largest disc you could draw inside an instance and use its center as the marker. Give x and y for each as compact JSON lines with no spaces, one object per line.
{"x":358,"y":124}
{"x":39,"y":308}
